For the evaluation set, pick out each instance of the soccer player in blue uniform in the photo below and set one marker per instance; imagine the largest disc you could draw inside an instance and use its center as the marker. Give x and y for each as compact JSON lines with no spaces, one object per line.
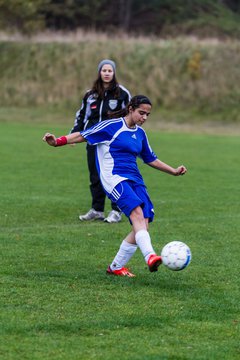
{"x":118,"y":144}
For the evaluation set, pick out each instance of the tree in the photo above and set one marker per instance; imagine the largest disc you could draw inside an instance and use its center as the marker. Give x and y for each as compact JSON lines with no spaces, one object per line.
{"x":23,"y":15}
{"x":125,"y":14}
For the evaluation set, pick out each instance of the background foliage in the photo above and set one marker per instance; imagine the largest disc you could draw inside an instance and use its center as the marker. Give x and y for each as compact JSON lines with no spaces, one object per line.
{"x":165,"y":17}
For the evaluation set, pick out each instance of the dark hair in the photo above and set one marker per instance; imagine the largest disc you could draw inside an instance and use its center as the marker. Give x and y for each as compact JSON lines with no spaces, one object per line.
{"x":99,"y":89}
{"x":134,"y":103}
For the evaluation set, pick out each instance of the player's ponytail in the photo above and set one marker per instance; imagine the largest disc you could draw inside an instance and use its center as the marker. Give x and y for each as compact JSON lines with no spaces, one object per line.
{"x":134,"y":103}
{"x":117,"y":114}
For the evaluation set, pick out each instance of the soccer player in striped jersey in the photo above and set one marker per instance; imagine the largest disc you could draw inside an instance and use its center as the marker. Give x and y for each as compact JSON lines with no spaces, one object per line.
{"x":118,"y":144}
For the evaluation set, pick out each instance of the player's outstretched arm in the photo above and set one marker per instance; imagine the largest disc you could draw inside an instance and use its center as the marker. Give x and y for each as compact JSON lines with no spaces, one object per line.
{"x":159,"y":165}
{"x":63,"y":140}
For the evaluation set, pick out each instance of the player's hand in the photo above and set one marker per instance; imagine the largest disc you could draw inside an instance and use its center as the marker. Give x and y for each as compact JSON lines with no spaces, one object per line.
{"x":181,"y":170}
{"x":50,"y":139}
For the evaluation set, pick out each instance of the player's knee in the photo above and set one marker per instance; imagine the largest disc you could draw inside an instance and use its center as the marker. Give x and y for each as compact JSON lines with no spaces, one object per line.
{"x":137,"y":215}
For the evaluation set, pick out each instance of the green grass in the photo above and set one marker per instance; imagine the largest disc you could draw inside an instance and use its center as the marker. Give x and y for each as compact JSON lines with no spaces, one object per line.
{"x":56,"y":300}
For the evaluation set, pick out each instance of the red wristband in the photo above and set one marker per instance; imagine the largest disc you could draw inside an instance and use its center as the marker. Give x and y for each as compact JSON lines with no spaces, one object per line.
{"x":61,"y":141}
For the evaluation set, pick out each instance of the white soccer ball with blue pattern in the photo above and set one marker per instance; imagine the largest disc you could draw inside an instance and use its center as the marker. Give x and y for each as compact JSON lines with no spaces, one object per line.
{"x":176,"y":255}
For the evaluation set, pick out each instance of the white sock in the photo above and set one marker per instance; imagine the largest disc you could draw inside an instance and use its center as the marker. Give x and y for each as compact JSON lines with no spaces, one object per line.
{"x":143,"y":240}
{"x":124,"y":254}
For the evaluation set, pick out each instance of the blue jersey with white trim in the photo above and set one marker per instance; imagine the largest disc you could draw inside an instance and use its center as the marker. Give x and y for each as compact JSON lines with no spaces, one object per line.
{"x":118,"y":147}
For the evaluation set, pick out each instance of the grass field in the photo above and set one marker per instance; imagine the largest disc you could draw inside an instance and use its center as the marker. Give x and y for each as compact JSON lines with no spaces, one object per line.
{"x":56,"y":300}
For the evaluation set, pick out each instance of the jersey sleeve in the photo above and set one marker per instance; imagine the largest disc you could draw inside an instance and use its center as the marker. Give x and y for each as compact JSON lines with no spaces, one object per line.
{"x":101,"y":132}
{"x":147,"y":154}
{"x":80,"y":115}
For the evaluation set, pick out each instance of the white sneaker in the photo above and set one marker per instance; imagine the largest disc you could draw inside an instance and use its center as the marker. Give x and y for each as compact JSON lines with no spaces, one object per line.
{"x":92,"y":215}
{"x":113,"y":217}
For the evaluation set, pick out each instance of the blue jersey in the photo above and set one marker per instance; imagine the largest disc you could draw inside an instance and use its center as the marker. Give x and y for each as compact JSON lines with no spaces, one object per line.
{"x":118,"y":147}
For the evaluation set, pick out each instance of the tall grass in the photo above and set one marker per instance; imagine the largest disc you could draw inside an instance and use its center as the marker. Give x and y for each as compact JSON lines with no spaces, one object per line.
{"x":178,"y":74}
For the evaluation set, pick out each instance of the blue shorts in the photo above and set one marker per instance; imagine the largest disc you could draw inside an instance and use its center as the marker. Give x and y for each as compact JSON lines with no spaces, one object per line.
{"x":128,"y":195}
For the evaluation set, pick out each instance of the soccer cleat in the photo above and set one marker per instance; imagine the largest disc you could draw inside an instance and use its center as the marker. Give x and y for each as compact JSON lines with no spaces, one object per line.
{"x":120,"y":272}
{"x":113,"y":217}
{"x":92,"y":215}
{"x":153,"y":262}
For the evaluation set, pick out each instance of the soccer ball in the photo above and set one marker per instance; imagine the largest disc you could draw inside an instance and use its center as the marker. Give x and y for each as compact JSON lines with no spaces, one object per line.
{"x":176,"y":255}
